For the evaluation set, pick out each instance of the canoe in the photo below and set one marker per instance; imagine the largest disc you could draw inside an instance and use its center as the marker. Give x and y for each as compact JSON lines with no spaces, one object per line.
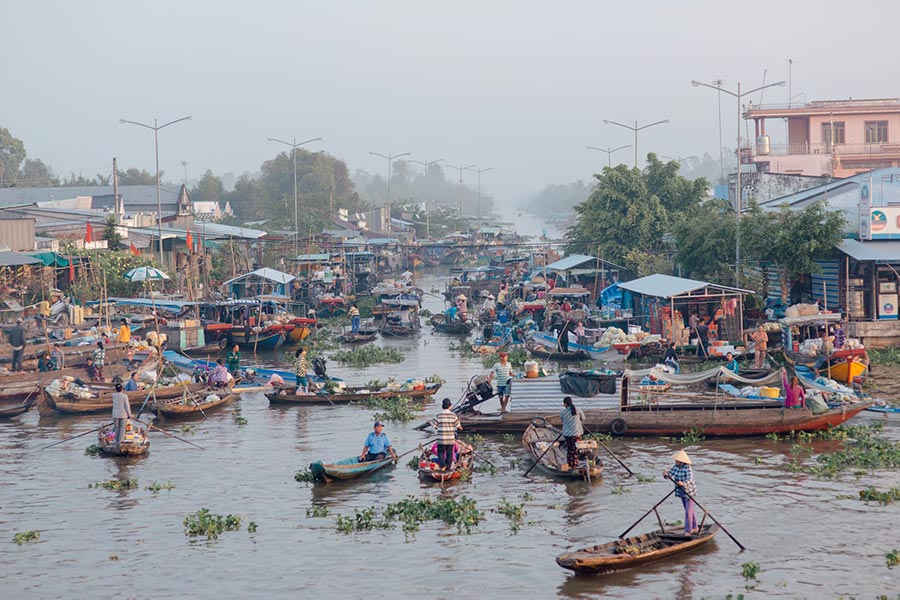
{"x":440,"y":324}
{"x":536,"y":441}
{"x":846,"y":365}
{"x":196,"y":404}
{"x":67,"y":403}
{"x":541,"y":352}
{"x":347,"y":395}
{"x":14,"y":408}
{"x":23,"y":379}
{"x":400,"y":330}
{"x":361,"y":337}
{"x":431,"y":472}
{"x":74,"y":356}
{"x":349,"y":468}
{"x":134,"y":441}
{"x":630,"y":552}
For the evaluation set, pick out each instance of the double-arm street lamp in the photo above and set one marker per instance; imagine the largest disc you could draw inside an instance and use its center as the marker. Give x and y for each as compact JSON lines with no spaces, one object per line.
{"x":717,"y":85}
{"x":609,"y":151}
{"x":635,"y":129}
{"x":479,"y":171}
{"x":155,"y":128}
{"x":427,"y":164}
{"x":460,"y":168}
{"x":293,"y":146}
{"x":390,"y":158}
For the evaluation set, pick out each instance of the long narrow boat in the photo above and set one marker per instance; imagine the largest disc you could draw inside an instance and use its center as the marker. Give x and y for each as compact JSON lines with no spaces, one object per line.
{"x":74,"y":356}
{"x":192,"y":404}
{"x":630,"y":552}
{"x":551,"y":342}
{"x":440,"y":324}
{"x":360,"y":337}
{"x":134,"y":440}
{"x":348,"y":395}
{"x":13,"y":407}
{"x":349,"y":468}
{"x":68,"y":403}
{"x":539,"y":351}
{"x":551,"y":456}
{"x":24,"y":379}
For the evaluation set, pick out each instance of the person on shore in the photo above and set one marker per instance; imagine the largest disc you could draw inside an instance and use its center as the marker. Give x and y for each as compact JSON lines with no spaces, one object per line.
{"x":682,"y":475}
{"x":123,"y":335}
{"x":731,"y":363}
{"x":503,"y":373}
{"x":16,"y":339}
{"x":45,"y":362}
{"x":121,"y":412}
{"x":234,"y":360}
{"x":572,"y":430}
{"x":761,"y":339}
{"x":794,"y":394}
{"x":132,"y":384}
{"x":99,"y":356}
{"x":447,"y":423}
{"x":377,"y":445}
{"x":58,"y":358}
{"x":301,"y":368}
{"x":703,"y":339}
{"x":671,"y":358}
{"x":353,"y":313}
{"x":219,"y":376}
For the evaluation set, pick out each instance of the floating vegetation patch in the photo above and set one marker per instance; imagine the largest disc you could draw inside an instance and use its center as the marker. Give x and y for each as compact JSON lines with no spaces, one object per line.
{"x":397,"y":409}
{"x":93,"y":450}
{"x":187,"y":429}
{"x":484,"y":467}
{"x":693,"y":436}
{"x":209,"y":524}
{"x":113,"y":557}
{"x":464,"y":349}
{"x":872,"y":495}
{"x":25,"y":537}
{"x":115,"y":485}
{"x":238,"y":419}
{"x":157,"y":486}
{"x":252,"y":527}
{"x":413,"y":463}
{"x":888,"y":356}
{"x":509,"y":438}
{"x":412,"y":512}
{"x":362,"y":520}
{"x":749,"y":570}
{"x":367,"y":356}
{"x":515,"y":512}
{"x":435,"y":378}
{"x":316,"y":511}
{"x":892,"y":558}
{"x":600,"y":437}
{"x":424,"y":312}
{"x":305,"y":476}
{"x":646,"y":478}
{"x":866,"y":449}
{"x":619,"y":490}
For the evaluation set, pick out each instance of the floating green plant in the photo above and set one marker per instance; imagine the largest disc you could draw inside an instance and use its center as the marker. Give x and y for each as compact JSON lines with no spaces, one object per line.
{"x":693,"y":436}
{"x":515,"y":512}
{"x":24,"y":537}
{"x":367,"y":356}
{"x":305,"y":476}
{"x":209,"y":524}
{"x":749,"y":570}
{"x":93,"y":450}
{"x":157,"y":486}
{"x":115,"y":484}
{"x":872,"y":495}
{"x":316,"y":511}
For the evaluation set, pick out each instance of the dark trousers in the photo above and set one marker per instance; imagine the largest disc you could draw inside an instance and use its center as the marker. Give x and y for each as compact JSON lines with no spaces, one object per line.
{"x":378,"y":456}
{"x":17,"y":358}
{"x":445,"y":455}
{"x":571,"y":451}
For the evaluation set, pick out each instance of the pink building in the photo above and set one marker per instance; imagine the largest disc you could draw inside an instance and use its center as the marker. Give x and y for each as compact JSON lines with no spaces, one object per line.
{"x":836,"y":138}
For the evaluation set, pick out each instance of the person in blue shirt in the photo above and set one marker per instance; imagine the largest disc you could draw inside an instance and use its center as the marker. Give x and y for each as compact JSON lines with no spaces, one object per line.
{"x":132,"y":385}
{"x":377,"y":445}
{"x":731,"y":363}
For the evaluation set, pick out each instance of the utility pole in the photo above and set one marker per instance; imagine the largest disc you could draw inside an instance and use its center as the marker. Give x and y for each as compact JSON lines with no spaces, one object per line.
{"x":609,"y":152}
{"x":635,"y":129}
{"x":293,"y":146}
{"x":460,"y":168}
{"x":479,"y":171}
{"x":427,"y":164}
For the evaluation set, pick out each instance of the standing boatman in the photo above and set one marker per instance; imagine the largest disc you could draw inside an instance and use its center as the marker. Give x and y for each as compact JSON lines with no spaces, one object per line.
{"x":353,"y":313}
{"x":121,"y":412}
{"x":16,"y":338}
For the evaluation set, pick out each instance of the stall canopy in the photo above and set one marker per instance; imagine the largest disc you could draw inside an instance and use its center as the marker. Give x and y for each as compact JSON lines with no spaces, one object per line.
{"x":882,"y":251}
{"x":667,"y":286}
{"x":258,"y":282}
{"x":50,"y":259}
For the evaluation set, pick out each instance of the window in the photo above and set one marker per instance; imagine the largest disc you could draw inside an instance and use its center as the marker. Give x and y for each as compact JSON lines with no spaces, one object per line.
{"x":876,"y":132}
{"x":838,"y":127}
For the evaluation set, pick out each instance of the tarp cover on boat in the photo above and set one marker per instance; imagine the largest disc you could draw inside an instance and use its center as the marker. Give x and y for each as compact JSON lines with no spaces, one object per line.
{"x":688,"y":378}
{"x":586,"y":385}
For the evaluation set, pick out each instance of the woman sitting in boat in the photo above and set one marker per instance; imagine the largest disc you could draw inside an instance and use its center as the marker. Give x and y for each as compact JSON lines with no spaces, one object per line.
{"x":671,"y":358}
{"x":45,"y":362}
{"x":219,"y":376}
{"x":682,"y":475}
{"x":572,"y":429}
{"x":458,"y":448}
{"x":377,"y":445}
{"x":794,"y":394}
{"x":731,"y":363}
{"x":451,"y":313}
{"x":92,"y":372}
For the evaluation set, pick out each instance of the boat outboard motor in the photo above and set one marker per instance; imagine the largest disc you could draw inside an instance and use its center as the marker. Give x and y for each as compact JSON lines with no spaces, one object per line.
{"x":479,"y":390}
{"x":318,"y":365}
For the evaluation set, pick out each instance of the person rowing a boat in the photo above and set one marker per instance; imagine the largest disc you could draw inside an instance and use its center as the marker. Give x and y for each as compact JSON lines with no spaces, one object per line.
{"x":353,"y":313}
{"x":121,"y":412}
{"x":682,"y":475}
{"x":572,"y":430}
{"x":377,"y":445}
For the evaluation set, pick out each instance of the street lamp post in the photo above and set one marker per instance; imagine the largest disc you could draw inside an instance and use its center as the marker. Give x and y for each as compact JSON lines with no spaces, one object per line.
{"x":155,"y":128}
{"x":460,"y":168}
{"x":390,"y":158}
{"x":427,"y":164}
{"x":609,"y":152}
{"x":635,"y":129}
{"x":293,"y":146}
{"x":737,"y":176}
{"x":479,"y":171}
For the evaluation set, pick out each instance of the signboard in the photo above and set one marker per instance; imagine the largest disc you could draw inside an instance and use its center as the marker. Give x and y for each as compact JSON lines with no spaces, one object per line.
{"x":866,"y":214}
{"x":884,"y":223}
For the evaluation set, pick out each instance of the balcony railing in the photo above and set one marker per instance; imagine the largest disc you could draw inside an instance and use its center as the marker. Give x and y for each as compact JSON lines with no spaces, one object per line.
{"x":843,"y":150}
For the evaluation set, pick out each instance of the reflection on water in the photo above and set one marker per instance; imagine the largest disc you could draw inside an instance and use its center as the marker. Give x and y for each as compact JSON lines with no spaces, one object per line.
{"x":807,"y":539}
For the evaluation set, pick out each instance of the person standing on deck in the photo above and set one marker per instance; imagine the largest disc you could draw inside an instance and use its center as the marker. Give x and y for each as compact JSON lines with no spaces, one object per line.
{"x":377,"y":445}
{"x":121,"y":412}
{"x":703,"y":339}
{"x":123,"y":335}
{"x":504,"y":375}
{"x":301,"y":368}
{"x":761,"y":338}
{"x":234,"y":361}
{"x":671,"y":358}
{"x":840,"y":336}
{"x":682,"y":475}
{"x":353,"y":313}
{"x":99,"y":356}
{"x":447,"y":423}
{"x":16,"y":339}
{"x":572,"y":430}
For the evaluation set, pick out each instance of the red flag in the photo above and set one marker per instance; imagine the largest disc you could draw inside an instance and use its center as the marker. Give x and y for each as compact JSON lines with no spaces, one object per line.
{"x":71,"y":270}
{"x":89,"y":233}
{"x":134,"y":250}
{"x":190,"y":242}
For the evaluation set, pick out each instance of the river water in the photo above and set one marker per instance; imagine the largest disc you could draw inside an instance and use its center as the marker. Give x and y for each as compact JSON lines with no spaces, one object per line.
{"x":808,"y":541}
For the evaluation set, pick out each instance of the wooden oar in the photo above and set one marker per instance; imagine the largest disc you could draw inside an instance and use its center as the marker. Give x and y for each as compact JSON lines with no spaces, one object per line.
{"x":733,"y":539}
{"x":76,"y":436}
{"x":655,"y":506}
{"x":172,"y":435}
{"x":481,"y":456}
{"x":419,"y":447}
{"x":525,"y":474}
{"x":618,"y":460}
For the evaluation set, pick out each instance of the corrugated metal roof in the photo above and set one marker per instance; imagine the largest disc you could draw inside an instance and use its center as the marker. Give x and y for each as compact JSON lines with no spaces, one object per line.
{"x":886,"y":251}
{"x":15,"y":259}
{"x":264,"y":273}
{"x":667,"y":286}
{"x":545,"y":394}
{"x":570,"y":262}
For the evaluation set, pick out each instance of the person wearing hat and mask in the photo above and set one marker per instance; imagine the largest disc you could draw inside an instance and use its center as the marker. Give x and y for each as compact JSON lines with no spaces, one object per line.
{"x":16,"y":339}
{"x":377,"y":445}
{"x":463,"y":306}
{"x":682,"y":475}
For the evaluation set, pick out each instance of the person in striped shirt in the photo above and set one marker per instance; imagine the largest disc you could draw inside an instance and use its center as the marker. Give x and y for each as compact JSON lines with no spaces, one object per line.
{"x":503,"y":374}
{"x":353,"y":313}
{"x":572,"y":430}
{"x":447,"y":423}
{"x":301,"y":367}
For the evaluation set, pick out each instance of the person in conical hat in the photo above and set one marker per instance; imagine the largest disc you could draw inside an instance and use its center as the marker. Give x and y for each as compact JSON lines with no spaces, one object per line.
{"x":682,"y":475}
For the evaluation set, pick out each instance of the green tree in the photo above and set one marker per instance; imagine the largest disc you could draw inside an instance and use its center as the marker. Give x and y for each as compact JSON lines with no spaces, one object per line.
{"x":111,"y":235}
{"x":208,"y":189}
{"x":34,"y":173}
{"x":680,"y":197}
{"x":705,"y":243}
{"x":792,"y":240}
{"x":133,"y":176}
{"x":12,"y":153}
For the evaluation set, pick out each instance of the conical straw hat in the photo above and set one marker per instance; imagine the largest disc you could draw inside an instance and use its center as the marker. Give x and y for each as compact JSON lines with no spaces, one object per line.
{"x":682,"y":457}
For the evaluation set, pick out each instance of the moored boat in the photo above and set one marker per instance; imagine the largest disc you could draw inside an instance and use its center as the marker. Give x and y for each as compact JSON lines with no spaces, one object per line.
{"x":349,"y":468}
{"x":442,"y":324}
{"x":134,"y":440}
{"x":539,"y":351}
{"x":544,"y":444}
{"x":85,"y":400}
{"x":190,"y":404}
{"x":17,"y":403}
{"x":349,"y":395}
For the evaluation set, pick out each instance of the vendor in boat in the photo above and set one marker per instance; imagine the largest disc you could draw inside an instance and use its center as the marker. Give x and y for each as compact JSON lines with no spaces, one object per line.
{"x":16,"y":338}
{"x":446,"y":423}
{"x":731,"y":363}
{"x":377,"y":445}
{"x":132,"y":384}
{"x":233,"y":360}
{"x":58,"y":358}
{"x":794,"y":394}
{"x":682,"y":475}
{"x":121,"y":412}
{"x":572,"y":429}
{"x":301,"y":368}
{"x":99,"y":356}
{"x":123,"y":335}
{"x":489,"y":305}
{"x":45,"y":362}
{"x":840,"y":336}
{"x":761,"y":339}
{"x":91,"y":369}
{"x":353,"y":313}
{"x":671,"y":358}
{"x":823,"y":356}
{"x":462,"y":304}
{"x":503,"y":373}
{"x":219,"y":376}
{"x":451,"y":313}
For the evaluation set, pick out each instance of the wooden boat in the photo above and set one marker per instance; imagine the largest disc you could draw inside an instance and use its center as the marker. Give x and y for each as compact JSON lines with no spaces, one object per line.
{"x":630,"y":552}
{"x":13,"y":404}
{"x":846,"y":365}
{"x":750,"y":373}
{"x":397,"y":328}
{"x":134,"y":440}
{"x":74,"y":356}
{"x":192,"y":404}
{"x":362,"y":336}
{"x":349,"y":468}
{"x":348,"y":395}
{"x":540,"y":351}
{"x":331,"y":307}
{"x":268,"y":338}
{"x":67,"y":403}
{"x":23,"y":379}
{"x":537,"y":439}
{"x":440,"y":324}
{"x":430,"y":472}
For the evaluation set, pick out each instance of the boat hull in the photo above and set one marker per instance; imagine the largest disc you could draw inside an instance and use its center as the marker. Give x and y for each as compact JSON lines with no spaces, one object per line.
{"x":347,"y":469}
{"x":287,"y":396}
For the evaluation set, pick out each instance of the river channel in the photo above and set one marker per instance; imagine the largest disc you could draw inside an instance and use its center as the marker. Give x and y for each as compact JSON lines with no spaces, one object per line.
{"x":810,"y":537}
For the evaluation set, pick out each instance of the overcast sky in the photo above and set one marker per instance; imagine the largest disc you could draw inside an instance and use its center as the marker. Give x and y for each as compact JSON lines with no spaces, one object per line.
{"x":519,"y":86}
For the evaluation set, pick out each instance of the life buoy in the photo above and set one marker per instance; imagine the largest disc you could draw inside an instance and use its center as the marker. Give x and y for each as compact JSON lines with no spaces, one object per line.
{"x":618,"y":427}
{"x":539,"y":422}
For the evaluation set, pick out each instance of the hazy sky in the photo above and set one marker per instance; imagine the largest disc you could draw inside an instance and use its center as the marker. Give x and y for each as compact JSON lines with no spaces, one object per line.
{"x":519,"y":86}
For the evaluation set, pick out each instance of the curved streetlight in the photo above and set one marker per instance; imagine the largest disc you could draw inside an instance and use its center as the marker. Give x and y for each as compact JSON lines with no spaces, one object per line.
{"x":390,"y":158}
{"x":609,"y":152}
{"x":427,"y":164}
{"x":155,"y":128}
{"x":479,"y":171}
{"x":293,"y":146}
{"x":635,"y":129}
{"x":460,"y":168}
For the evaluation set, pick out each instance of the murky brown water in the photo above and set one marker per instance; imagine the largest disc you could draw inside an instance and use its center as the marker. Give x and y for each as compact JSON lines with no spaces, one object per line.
{"x":807,"y":541}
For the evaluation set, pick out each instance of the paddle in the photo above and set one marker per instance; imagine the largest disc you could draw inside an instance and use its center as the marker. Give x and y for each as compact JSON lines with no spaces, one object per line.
{"x":419,"y":447}
{"x":172,"y":435}
{"x":618,"y":460}
{"x":76,"y":436}
{"x":655,"y":506}
{"x":472,"y":450}
{"x":733,"y":539}
{"x":525,"y":474}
